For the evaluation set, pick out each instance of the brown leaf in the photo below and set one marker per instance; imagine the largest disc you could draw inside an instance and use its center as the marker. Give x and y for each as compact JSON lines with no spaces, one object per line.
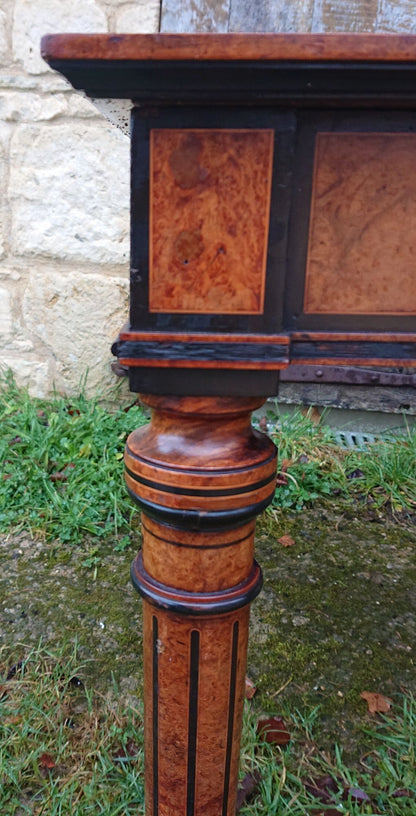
{"x":273,"y":730}
{"x":312,"y":412}
{"x":286,"y":541}
{"x":246,"y":788}
{"x":58,"y":476}
{"x":323,"y":788}
{"x":46,"y":761}
{"x":129,"y":751}
{"x":377,"y":703}
{"x":61,"y":475}
{"x":250,"y":689}
{"x":403,"y":792}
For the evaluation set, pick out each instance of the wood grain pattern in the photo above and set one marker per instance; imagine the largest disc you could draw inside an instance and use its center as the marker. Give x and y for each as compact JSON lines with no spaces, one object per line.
{"x":270,"y":15}
{"x":362,"y":244}
{"x":209,"y":214}
{"x":260,"y":47}
{"x":186,"y":458}
{"x":396,"y":16}
{"x":186,"y":15}
{"x":337,"y":15}
{"x":194,"y":644}
{"x":198,"y":704}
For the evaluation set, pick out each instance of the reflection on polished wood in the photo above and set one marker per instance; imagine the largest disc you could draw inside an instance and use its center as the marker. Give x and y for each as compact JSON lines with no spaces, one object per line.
{"x":362,"y":240}
{"x":209,"y":210}
{"x":201,"y":474}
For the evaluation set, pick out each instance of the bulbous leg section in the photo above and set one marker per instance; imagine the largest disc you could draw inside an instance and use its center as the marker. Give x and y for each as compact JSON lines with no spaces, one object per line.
{"x":201,"y":474}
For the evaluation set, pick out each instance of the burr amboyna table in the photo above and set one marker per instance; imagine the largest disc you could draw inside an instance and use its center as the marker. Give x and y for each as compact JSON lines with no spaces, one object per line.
{"x":273,"y":220}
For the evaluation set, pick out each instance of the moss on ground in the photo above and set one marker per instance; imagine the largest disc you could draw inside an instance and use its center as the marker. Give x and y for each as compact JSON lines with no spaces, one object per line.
{"x":337,"y":614}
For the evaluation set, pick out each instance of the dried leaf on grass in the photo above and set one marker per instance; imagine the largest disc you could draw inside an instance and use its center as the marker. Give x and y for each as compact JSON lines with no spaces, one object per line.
{"x":246,"y":788}
{"x":286,"y":541}
{"x":377,"y":703}
{"x":322,"y":788}
{"x":273,"y":730}
{"x":47,"y":761}
{"x":250,"y":689}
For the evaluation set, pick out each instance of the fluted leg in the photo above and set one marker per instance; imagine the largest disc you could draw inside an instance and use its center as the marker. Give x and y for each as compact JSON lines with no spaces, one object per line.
{"x":201,"y":475}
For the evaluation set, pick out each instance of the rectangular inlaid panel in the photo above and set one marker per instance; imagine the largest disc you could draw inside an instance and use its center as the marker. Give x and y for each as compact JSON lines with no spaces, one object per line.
{"x":362,"y":236}
{"x":209,"y":220}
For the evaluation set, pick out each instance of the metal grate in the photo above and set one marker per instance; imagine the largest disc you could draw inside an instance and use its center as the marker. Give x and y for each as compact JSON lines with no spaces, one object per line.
{"x":354,"y":440}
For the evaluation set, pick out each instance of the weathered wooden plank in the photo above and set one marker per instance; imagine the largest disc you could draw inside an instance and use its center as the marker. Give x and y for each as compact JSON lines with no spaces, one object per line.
{"x":271,"y":15}
{"x":397,"y":15}
{"x":194,"y":15}
{"x":337,"y":15}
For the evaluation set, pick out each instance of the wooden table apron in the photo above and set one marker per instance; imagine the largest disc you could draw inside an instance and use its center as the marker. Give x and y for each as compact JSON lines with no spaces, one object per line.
{"x":273,"y":222}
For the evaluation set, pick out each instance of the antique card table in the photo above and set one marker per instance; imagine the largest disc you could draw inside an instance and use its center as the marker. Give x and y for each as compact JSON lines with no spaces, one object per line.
{"x":273,"y":220}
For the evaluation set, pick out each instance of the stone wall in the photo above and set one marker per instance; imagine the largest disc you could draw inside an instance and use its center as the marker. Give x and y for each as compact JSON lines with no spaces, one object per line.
{"x":64,"y":186}
{"x":64,"y":202}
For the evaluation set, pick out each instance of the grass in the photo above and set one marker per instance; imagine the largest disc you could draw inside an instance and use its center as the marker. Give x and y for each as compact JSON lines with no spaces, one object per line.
{"x":64,"y":750}
{"x":61,"y":749}
{"x":61,"y":468}
{"x":314,"y":468}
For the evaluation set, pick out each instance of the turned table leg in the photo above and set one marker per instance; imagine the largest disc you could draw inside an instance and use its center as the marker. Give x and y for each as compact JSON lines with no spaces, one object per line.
{"x":201,"y":474}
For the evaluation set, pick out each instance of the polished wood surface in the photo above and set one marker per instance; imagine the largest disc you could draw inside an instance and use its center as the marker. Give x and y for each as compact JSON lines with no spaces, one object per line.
{"x":209,"y":218}
{"x":201,"y":474}
{"x":362,"y":239}
{"x":259,"y":47}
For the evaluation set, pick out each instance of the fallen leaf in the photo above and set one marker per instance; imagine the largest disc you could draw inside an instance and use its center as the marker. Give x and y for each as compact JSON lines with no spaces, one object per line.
{"x":312,"y":412}
{"x":355,"y":474}
{"x":46,"y":761}
{"x":246,"y":788}
{"x":14,"y":669}
{"x":323,"y":788}
{"x":273,"y":730}
{"x":377,"y":703}
{"x":403,"y":792}
{"x":128,"y":752}
{"x":286,"y":541}
{"x":250,"y":689}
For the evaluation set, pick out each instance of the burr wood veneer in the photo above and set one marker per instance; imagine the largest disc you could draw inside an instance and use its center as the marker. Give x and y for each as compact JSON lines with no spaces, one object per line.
{"x":272,"y":221}
{"x":201,"y":474}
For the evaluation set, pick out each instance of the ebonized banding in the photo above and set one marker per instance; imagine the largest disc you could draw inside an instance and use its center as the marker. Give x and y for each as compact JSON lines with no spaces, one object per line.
{"x":196,"y":546}
{"x":192,"y":722}
{"x":164,"y":488}
{"x":195,"y":603}
{"x":201,"y":519}
{"x":201,"y":352}
{"x":350,"y":350}
{"x":155,"y":693}
{"x":231,"y":710}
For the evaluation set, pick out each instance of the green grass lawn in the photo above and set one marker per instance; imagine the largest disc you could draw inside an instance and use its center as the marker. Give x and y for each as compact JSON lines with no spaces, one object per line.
{"x":67,"y":749}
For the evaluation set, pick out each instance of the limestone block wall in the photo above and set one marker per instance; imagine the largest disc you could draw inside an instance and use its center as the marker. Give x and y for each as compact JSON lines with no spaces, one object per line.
{"x":64,"y":173}
{"x":64,"y":202}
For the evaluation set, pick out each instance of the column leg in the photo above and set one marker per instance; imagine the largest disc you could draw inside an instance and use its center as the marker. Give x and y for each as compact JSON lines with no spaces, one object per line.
{"x":201,"y":475}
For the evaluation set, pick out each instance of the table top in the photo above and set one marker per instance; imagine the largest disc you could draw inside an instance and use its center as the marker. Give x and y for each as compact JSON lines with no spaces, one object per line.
{"x":232,"y":47}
